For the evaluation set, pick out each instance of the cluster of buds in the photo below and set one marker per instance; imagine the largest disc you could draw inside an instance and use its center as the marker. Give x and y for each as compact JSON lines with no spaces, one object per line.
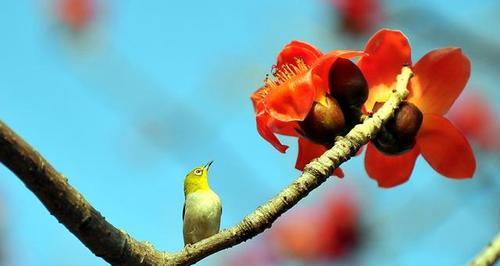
{"x":398,"y":134}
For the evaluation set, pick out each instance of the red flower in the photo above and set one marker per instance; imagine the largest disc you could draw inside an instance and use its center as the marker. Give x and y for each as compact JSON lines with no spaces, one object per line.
{"x":284,"y":102}
{"x":296,"y":234}
{"x":328,"y":230}
{"x":76,"y":14}
{"x":439,"y":78}
{"x":474,"y":116}
{"x":358,"y":16}
{"x":339,"y":230}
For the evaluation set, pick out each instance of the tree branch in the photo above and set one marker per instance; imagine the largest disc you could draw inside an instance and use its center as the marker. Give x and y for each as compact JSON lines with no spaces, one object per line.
{"x":118,"y":248}
{"x":489,"y":255}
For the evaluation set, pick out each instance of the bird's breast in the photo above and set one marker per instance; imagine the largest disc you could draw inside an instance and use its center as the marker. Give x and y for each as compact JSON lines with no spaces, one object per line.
{"x":202,"y":215}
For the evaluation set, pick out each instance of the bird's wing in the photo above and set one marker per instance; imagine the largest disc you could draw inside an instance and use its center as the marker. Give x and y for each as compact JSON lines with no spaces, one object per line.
{"x":183,"y":211}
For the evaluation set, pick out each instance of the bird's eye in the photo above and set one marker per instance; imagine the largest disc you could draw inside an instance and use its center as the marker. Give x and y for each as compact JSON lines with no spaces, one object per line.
{"x":198,"y":172}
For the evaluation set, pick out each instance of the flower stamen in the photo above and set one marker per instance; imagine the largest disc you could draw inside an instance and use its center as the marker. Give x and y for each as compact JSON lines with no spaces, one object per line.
{"x":283,"y":74}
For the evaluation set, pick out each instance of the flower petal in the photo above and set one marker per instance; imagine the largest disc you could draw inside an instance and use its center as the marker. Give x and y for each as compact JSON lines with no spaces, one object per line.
{"x":445,"y":148}
{"x":292,"y":99}
{"x":296,"y":50}
{"x":440,"y":77}
{"x":308,"y":151}
{"x":338,"y":172}
{"x":389,"y":170}
{"x":264,"y":129}
{"x":387,"y":52}
{"x":258,"y":100}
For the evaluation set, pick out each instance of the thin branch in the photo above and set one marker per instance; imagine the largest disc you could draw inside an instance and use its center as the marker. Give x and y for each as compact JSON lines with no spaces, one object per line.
{"x":489,"y":255}
{"x":118,"y":248}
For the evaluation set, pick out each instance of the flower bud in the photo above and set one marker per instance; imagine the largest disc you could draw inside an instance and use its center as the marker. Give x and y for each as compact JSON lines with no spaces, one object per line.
{"x":347,"y":83}
{"x":398,"y":134}
{"x":324,"y":122}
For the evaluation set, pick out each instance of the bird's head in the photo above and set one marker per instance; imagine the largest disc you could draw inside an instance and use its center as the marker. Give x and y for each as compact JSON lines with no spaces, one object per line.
{"x":197,"y":179}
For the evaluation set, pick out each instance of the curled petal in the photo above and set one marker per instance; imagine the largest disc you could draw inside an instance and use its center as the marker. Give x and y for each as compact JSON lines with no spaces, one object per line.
{"x":309,"y":151}
{"x":387,"y":52}
{"x":292,"y":99}
{"x":283,"y":128}
{"x":389,"y":170}
{"x":298,"y":50}
{"x":445,"y":148}
{"x":440,"y":77}
{"x":264,"y":129}
{"x":258,"y":100}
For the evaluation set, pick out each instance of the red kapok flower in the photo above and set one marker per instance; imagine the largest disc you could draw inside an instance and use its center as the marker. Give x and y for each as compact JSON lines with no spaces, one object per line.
{"x":76,"y":14}
{"x":338,"y":231}
{"x":439,"y":78}
{"x":327,"y":230}
{"x":296,"y":234}
{"x":300,"y":83}
{"x":358,"y":16}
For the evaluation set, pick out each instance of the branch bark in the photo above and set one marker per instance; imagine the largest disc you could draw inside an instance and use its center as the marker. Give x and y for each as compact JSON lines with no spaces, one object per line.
{"x":118,"y":248}
{"x":489,"y":255}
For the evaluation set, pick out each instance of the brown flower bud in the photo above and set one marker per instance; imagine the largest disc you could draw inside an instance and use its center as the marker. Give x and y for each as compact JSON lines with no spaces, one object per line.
{"x":347,"y":83}
{"x":324,"y":122}
{"x":398,"y":134}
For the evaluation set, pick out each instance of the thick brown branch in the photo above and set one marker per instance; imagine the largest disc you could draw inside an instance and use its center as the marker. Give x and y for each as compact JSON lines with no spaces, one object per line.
{"x":117,"y":248}
{"x":69,"y":206}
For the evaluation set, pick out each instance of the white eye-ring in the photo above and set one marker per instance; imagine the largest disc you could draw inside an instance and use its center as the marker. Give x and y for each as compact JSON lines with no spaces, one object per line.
{"x":198,"y":172}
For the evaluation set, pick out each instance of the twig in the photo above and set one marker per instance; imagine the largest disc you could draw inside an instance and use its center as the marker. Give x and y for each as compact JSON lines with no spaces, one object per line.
{"x":489,"y":255}
{"x":118,"y":248}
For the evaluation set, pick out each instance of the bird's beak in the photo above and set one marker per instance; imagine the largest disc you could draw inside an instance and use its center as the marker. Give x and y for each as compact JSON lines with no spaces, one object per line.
{"x":207,"y":166}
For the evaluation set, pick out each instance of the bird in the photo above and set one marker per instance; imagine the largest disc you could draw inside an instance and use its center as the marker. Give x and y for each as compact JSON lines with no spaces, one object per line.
{"x":202,"y":209}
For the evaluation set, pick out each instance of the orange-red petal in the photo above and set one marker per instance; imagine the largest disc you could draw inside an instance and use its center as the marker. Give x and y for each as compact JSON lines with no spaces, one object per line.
{"x":258,"y":100}
{"x":263,"y":127}
{"x":292,"y":99}
{"x":387,"y":52}
{"x":440,"y":77}
{"x":308,"y":151}
{"x":389,"y":170}
{"x":283,"y":128}
{"x":298,"y":50}
{"x":445,"y":148}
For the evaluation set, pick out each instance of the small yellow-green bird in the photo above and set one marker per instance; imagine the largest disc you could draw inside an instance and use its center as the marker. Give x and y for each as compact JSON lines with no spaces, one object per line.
{"x":202,"y":207}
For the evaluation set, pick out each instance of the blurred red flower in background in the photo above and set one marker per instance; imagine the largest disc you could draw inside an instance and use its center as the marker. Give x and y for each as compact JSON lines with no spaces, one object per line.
{"x":298,"y":93}
{"x":359,"y":16}
{"x":475,"y":117}
{"x":329,"y":230}
{"x":325,"y":231}
{"x":76,"y":14}
{"x":439,"y":78}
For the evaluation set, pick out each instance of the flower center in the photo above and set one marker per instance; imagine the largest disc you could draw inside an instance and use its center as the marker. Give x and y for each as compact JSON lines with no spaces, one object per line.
{"x":285,"y":73}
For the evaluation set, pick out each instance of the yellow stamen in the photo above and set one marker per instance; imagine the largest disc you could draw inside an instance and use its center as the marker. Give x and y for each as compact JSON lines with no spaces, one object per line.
{"x":285,"y":73}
